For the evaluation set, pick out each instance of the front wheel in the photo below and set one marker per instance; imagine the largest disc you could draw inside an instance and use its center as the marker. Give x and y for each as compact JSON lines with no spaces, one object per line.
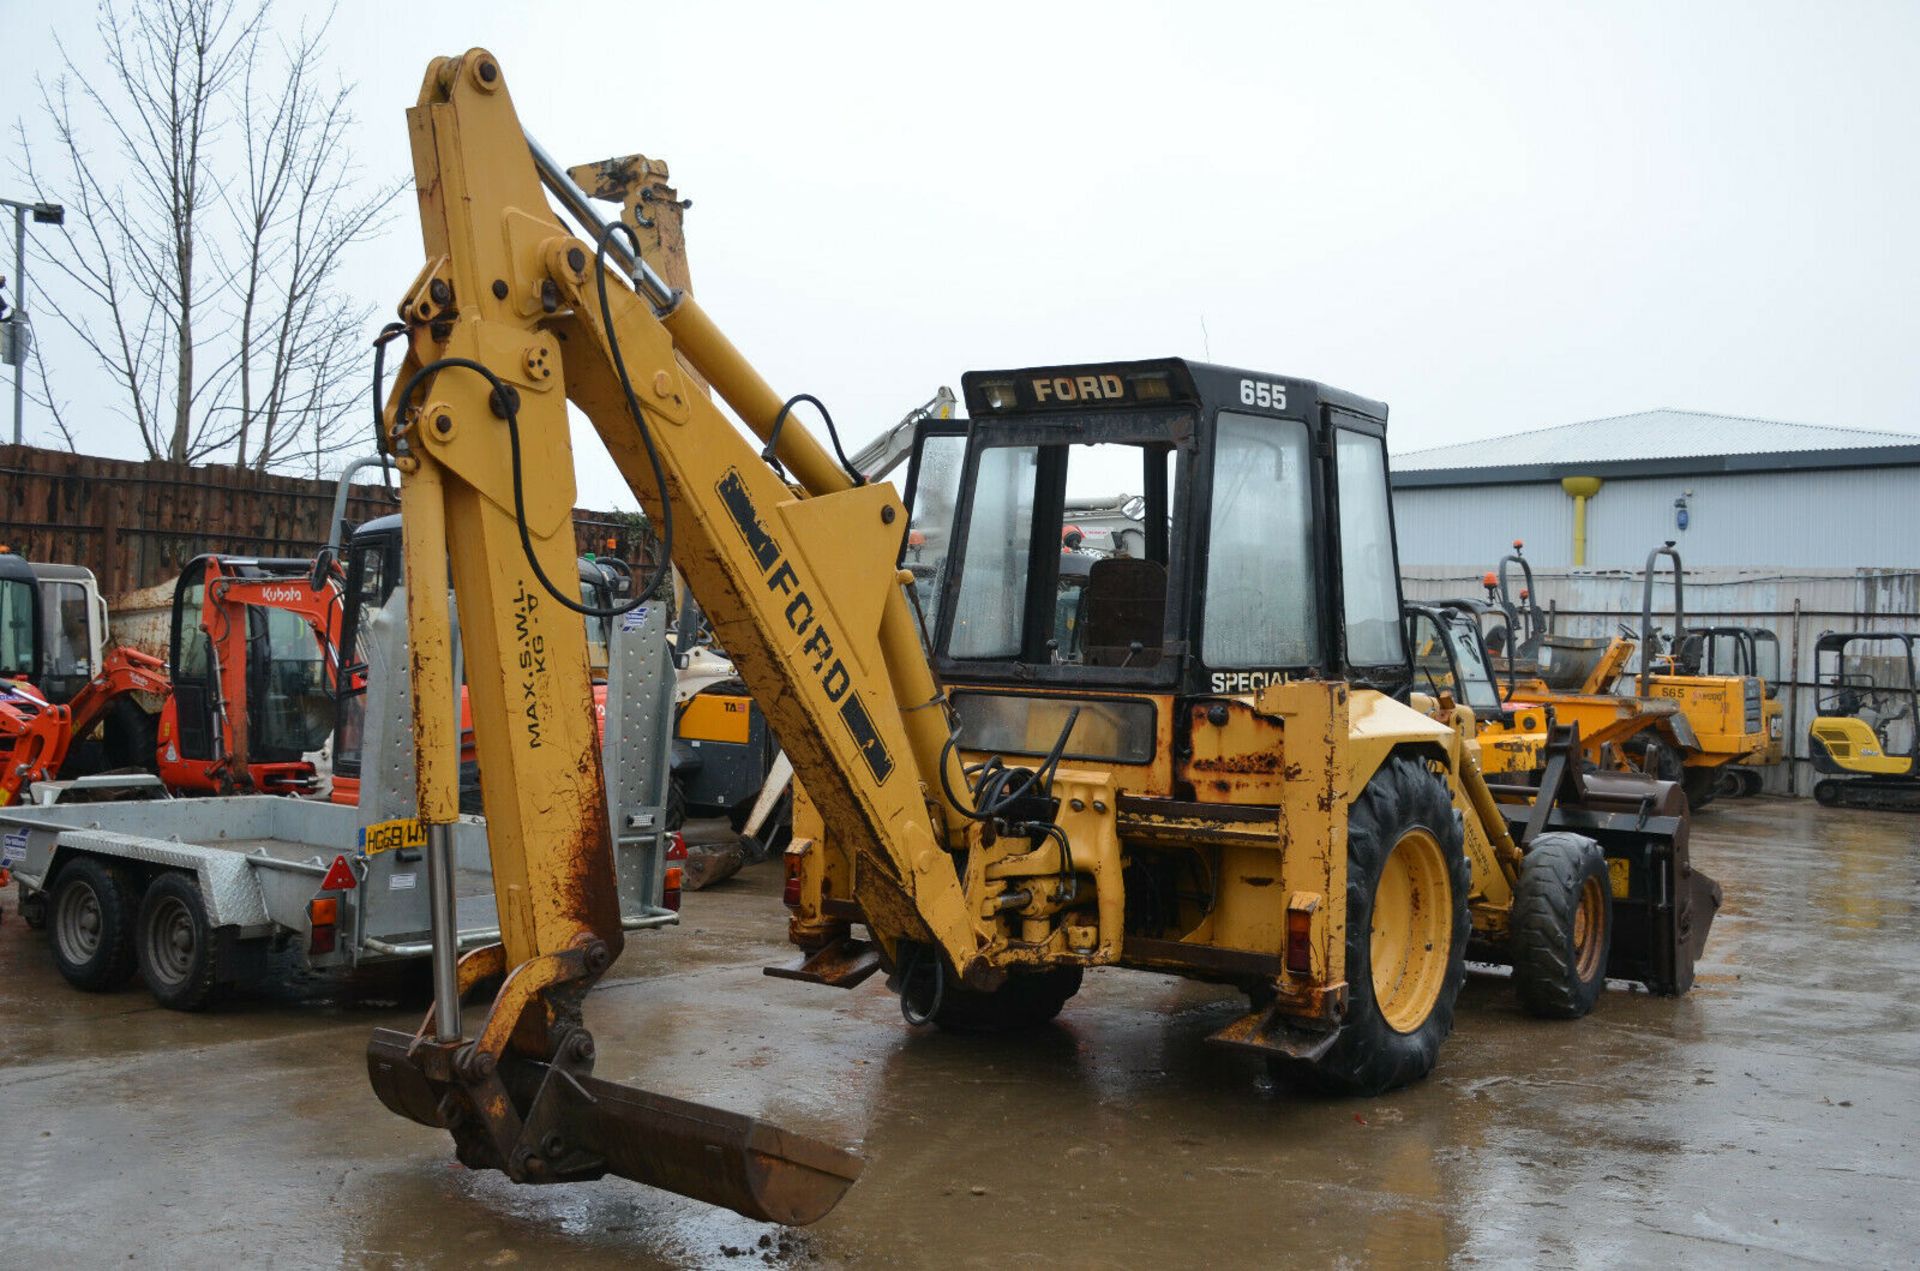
{"x":1562,"y":926}
{"x":1026,"y":999}
{"x":1407,"y":886}
{"x":92,"y":922}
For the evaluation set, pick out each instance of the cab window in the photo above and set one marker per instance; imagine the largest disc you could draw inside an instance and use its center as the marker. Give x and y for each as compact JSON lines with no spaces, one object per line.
{"x":1369,"y":585}
{"x":293,"y":672}
{"x":1262,"y":607}
{"x":935,"y":496}
{"x":65,"y":629}
{"x":16,"y":627}
{"x":989,"y":611}
{"x":1038,"y":585}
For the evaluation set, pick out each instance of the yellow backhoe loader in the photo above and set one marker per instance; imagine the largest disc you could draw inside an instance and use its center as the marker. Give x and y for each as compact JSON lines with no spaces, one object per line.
{"x":1222,"y":779}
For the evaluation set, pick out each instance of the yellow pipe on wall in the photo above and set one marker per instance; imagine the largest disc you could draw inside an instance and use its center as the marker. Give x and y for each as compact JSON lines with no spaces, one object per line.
{"x":1582,"y":489}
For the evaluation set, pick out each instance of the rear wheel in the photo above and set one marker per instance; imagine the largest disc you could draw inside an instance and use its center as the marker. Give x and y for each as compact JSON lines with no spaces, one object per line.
{"x":176,"y":946}
{"x":1562,"y":927}
{"x":92,"y":921}
{"x":1407,"y":885}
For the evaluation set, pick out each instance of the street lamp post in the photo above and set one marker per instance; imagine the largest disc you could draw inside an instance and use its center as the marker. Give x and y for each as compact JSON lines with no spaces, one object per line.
{"x":43,"y":214}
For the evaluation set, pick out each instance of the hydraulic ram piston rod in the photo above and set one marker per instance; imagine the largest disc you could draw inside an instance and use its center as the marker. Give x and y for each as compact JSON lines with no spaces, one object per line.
{"x":579,"y":205}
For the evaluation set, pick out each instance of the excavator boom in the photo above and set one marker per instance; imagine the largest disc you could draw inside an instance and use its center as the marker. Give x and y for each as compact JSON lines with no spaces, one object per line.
{"x":513,"y":316}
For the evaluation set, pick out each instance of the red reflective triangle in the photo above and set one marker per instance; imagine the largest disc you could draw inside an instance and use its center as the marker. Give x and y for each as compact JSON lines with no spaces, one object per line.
{"x":339,"y":876}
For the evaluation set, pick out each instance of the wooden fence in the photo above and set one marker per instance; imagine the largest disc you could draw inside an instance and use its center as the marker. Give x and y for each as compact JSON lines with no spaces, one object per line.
{"x":135,"y":524}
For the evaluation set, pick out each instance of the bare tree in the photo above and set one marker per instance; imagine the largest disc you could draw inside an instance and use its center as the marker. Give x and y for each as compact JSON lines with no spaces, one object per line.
{"x":210,"y":300}
{"x":299,"y":210}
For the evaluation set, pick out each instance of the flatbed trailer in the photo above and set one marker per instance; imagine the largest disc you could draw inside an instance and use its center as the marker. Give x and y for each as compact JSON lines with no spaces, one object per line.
{"x":199,"y":892}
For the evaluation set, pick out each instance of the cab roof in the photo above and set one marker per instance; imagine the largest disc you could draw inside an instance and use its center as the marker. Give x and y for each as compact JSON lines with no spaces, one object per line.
{"x":1149,"y":383}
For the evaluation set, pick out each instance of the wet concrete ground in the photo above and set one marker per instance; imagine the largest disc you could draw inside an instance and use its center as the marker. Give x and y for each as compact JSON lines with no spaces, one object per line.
{"x":1770,"y":1117}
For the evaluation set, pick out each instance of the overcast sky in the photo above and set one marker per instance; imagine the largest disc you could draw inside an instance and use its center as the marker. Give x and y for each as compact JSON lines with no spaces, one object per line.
{"x":1493,"y":217}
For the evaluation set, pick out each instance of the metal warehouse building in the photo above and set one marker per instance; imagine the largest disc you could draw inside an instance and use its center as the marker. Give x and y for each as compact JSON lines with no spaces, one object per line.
{"x":1728,"y":491}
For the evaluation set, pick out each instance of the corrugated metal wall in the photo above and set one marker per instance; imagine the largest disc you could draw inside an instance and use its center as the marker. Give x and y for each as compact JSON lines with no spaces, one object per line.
{"x":1796,"y":605}
{"x":1814,"y":519}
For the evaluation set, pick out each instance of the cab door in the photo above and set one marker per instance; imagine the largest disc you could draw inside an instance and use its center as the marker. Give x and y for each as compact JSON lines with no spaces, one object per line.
{"x":195,"y":697}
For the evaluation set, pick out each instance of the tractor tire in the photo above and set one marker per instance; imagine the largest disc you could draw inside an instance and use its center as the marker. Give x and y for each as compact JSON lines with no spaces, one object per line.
{"x":1562,"y":926}
{"x":177,"y":949}
{"x":132,"y":738}
{"x":676,"y":811}
{"x":92,"y":922}
{"x":1700,"y":785}
{"x":1405,"y":852}
{"x":1658,"y":760}
{"x":1026,"y":1000}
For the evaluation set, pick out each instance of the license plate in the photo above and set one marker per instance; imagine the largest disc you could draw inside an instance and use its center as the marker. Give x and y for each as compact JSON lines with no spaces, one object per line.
{"x":388,"y":836}
{"x":1619,"y":872}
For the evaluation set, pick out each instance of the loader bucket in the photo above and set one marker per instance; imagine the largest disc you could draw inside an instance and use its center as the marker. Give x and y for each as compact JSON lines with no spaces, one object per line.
{"x":1662,"y":906}
{"x":723,"y":1158}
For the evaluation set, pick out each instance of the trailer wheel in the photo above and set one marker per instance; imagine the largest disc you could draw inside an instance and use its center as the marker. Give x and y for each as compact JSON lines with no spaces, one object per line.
{"x":92,"y":922}
{"x":176,"y":947}
{"x":1562,"y":929}
{"x":1407,"y":885}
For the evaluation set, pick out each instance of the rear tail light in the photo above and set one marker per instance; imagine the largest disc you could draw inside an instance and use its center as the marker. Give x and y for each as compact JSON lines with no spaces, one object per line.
{"x":674,"y":879}
{"x":1300,"y":932}
{"x":323,"y":919}
{"x":790,"y":894}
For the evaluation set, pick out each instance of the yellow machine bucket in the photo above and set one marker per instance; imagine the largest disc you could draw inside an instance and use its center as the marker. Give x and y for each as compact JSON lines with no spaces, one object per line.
{"x":541,"y":1122}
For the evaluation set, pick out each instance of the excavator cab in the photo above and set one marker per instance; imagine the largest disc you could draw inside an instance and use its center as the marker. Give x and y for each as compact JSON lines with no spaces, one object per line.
{"x":252,"y":655}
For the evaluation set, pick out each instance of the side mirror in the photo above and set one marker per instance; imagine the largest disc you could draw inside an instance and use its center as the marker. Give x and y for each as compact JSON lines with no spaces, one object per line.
{"x":322,"y":568}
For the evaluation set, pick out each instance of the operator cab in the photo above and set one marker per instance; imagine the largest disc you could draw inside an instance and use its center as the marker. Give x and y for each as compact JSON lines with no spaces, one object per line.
{"x":1867,"y":704}
{"x":1450,"y":659}
{"x":1264,"y":549}
{"x":1736,"y":651}
{"x":288,"y":672}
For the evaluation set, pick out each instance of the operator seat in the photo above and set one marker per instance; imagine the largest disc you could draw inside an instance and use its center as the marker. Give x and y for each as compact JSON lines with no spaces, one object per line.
{"x":1126,"y":604}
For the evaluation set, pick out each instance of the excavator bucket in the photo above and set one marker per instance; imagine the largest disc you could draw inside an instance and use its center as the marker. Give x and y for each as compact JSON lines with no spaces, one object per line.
{"x":563,"y":1125}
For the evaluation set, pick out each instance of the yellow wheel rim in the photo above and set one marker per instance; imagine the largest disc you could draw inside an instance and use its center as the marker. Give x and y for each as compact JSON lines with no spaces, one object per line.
{"x":1589,"y":929}
{"x":1412,"y":931}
